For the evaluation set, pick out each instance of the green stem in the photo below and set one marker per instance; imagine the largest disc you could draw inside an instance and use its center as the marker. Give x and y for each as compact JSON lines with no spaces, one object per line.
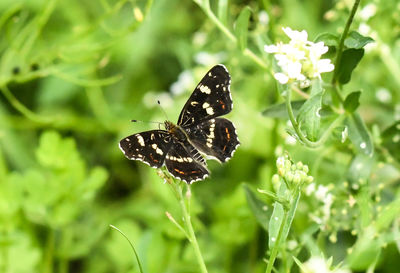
{"x":296,"y":127}
{"x":192,"y":236}
{"x":341,"y":43}
{"x":133,"y":248}
{"x":276,"y":247}
{"x":49,"y":251}
{"x":22,"y":108}
{"x":205,"y":6}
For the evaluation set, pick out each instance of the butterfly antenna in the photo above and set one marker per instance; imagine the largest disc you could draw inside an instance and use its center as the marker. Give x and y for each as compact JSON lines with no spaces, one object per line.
{"x":145,"y":121}
{"x":162,"y":109}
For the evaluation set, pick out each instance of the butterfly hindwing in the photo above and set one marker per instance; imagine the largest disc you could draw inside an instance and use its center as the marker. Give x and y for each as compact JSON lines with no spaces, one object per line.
{"x":216,"y":138}
{"x":151,"y":147}
{"x":183,"y":166}
{"x":211,"y":98}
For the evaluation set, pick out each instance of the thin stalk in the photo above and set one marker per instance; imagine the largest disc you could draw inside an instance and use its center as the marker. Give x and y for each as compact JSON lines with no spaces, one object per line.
{"x":49,"y":251}
{"x":22,"y":108}
{"x":134,"y":250}
{"x":341,"y":43}
{"x":192,"y":236}
{"x":296,"y":127}
{"x":276,"y":247}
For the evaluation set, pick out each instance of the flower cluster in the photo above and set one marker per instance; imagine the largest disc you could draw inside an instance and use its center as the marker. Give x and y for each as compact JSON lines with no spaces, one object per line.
{"x":318,"y":264}
{"x":299,"y":60}
{"x":293,"y":173}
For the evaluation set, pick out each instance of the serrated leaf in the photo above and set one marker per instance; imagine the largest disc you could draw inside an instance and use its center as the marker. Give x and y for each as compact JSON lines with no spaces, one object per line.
{"x":358,"y":134}
{"x":352,"y":101}
{"x":260,"y":210}
{"x":309,"y":117}
{"x":349,"y":61}
{"x":391,"y":140}
{"x":356,"y":40}
{"x":241,"y":27}
{"x":280,"y":111}
{"x":329,"y":39}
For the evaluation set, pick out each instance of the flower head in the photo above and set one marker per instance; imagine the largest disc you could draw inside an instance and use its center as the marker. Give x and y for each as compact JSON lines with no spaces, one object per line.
{"x":299,"y":60}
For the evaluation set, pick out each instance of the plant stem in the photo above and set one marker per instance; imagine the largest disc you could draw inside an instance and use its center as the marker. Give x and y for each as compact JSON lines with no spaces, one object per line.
{"x":48,"y":255}
{"x":341,"y":43}
{"x":276,"y":247}
{"x":192,"y":236}
{"x":133,"y":248}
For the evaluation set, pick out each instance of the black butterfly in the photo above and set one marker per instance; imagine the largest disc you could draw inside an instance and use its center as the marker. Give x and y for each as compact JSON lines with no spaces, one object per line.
{"x":199,"y":130}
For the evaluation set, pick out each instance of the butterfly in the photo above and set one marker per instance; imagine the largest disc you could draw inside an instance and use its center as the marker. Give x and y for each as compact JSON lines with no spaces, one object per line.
{"x":199,"y":131}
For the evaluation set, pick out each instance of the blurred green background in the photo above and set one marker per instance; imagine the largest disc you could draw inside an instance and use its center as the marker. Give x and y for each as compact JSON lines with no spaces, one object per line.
{"x":74,"y":73}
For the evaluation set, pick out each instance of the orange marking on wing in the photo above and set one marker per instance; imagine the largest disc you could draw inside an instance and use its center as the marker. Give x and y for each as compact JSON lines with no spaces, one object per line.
{"x":178,"y":171}
{"x":222,"y":104}
{"x":227,"y":134}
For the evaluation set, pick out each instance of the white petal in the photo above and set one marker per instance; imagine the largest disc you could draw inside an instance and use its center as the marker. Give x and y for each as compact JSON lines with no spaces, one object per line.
{"x":281,"y":78}
{"x":294,"y":70}
{"x":324,"y":65}
{"x":271,"y":48}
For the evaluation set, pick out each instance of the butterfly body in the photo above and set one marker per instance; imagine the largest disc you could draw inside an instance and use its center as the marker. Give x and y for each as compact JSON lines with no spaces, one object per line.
{"x":199,"y":131}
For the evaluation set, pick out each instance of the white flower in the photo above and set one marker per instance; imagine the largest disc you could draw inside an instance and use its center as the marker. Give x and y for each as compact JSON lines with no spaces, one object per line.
{"x":299,"y":60}
{"x":317,"y":264}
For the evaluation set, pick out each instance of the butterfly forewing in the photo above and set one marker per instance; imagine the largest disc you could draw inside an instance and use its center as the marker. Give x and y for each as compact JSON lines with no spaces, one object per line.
{"x":151,"y":147}
{"x":211,"y":98}
{"x":216,"y":138}
{"x":183,"y":166}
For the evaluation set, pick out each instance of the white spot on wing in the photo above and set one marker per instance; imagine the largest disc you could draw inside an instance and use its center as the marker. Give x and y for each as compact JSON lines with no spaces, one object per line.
{"x":205,"y":89}
{"x":140,"y":140}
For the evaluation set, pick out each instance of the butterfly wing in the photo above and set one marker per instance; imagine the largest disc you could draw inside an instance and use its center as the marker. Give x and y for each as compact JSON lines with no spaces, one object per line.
{"x":216,"y":138}
{"x":183,"y":166}
{"x":211,"y":98}
{"x":150,"y":147}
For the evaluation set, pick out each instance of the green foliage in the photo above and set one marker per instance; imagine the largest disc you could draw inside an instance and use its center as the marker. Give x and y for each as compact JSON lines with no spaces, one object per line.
{"x":74,"y":73}
{"x":309,"y":115}
{"x":352,"y":101}
{"x":242,"y":26}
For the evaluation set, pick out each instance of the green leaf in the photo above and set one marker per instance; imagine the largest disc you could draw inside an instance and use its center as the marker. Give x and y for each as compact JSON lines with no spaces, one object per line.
{"x":280,"y":111}
{"x":292,"y":211}
{"x":352,"y":101}
{"x":359,"y":135}
{"x":356,"y":40}
{"x":360,"y":168}
{"x":387,"y":215}
{"x":329,"y":39}
{"x":309,"y":117}
{"x":365,"y":251}
{"x":349,"y":61}
{"x":56,"y":152}
{"x":277,"y":216}
{"x":223,"y":11}
{"x":391,"y":140}
{"x":241,"y":27}
{"x":261,"y":210}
